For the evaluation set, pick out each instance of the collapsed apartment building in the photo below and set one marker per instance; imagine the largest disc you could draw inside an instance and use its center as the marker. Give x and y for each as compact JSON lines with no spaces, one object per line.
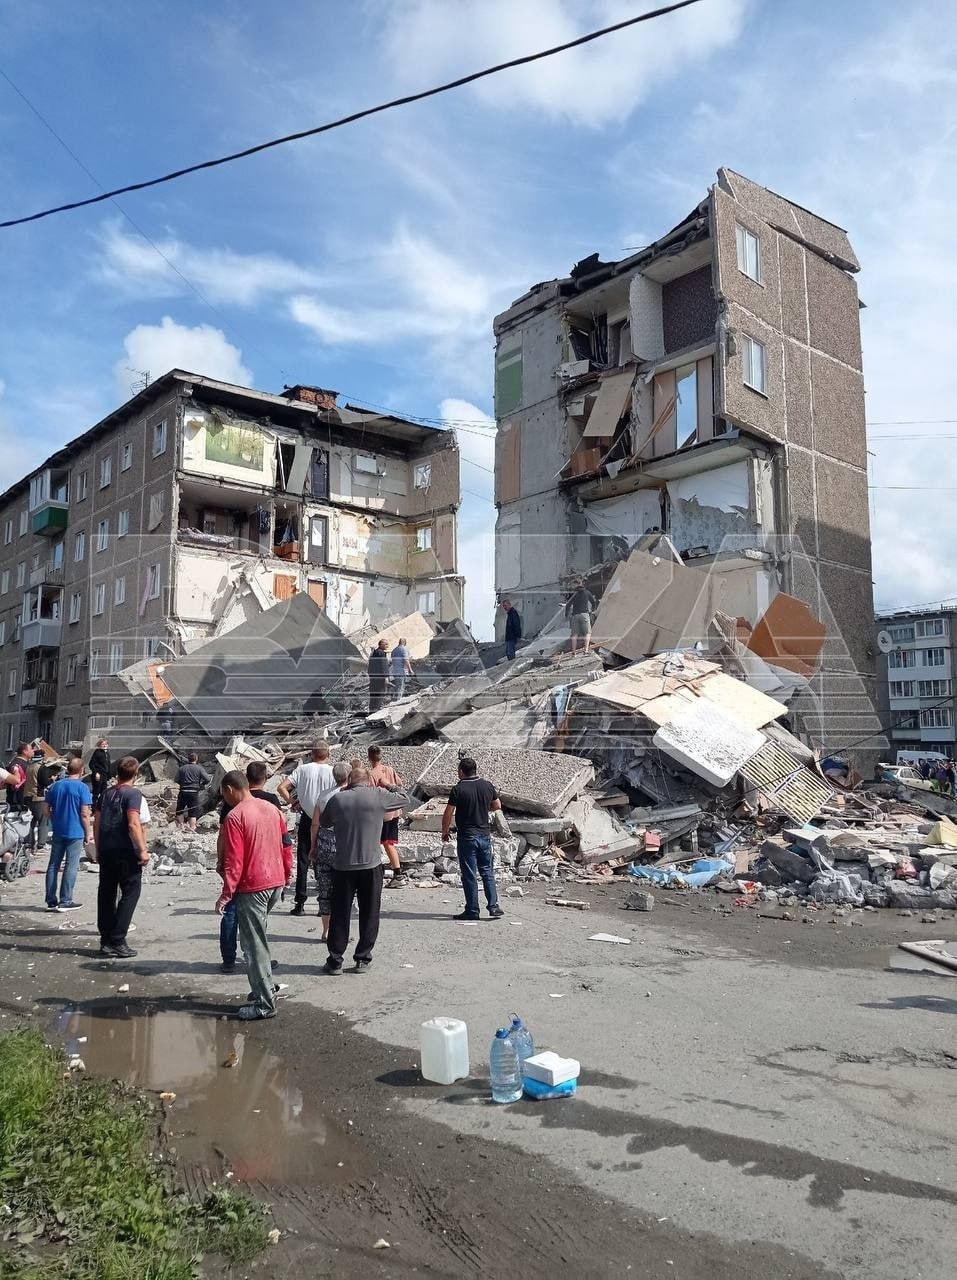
{"x":189,"y":511}
{"x":708,"y":387}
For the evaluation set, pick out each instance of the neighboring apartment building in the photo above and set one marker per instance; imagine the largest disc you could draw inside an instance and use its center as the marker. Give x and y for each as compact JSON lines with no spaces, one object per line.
{"x":916,"y":678}
{"x":192,"y":508}
{"x":709,"y":386}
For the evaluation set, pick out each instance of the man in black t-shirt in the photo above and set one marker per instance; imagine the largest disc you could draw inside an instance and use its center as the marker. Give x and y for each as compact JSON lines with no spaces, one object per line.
{"x":122,"y":854}
{"x":470,"y":802}
{"x":192,"y":779}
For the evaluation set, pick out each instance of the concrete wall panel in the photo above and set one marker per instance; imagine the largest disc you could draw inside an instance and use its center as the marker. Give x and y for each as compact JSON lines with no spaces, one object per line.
{"x":834,"y":311}
{"x":794,"y":318}
{"x":838,"y":410}
{"x":797,"y":394}
{"x":842,"y":512}
{"x":689,"y":310}
{"x":764,"y":414}
{"x":764,"y":299}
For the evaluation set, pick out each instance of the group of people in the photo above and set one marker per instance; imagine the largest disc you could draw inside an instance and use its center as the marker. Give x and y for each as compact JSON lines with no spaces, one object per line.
{"x":388,"y":673}
{"x":942,"y":773}
{"x":579,"y":607}
{"x":348,"y":820}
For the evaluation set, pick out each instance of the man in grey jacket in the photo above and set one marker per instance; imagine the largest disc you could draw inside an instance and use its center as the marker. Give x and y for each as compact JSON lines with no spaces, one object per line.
{"x":355,"y":814}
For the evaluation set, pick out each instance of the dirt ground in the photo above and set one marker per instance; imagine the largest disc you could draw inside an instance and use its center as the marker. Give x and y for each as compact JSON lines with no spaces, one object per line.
{"x":700,"y":1070}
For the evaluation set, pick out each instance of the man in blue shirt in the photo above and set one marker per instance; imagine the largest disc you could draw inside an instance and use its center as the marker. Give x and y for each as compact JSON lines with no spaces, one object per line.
{"x":68,"y":805}
{"x":401,"y":668}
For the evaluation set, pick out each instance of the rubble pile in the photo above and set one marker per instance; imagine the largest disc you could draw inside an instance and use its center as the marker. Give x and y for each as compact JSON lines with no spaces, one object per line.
{"x":664,"y":754}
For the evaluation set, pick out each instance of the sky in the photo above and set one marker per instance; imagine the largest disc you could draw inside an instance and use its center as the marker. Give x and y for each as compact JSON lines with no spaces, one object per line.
{"x":373,"y":259}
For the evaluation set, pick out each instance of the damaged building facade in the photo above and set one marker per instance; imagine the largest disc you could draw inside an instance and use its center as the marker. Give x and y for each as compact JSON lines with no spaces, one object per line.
{"x":193,"y":508}
{"x":709,"y":387}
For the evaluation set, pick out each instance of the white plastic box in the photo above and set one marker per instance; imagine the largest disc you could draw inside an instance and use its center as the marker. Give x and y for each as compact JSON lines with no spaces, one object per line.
{"x":550,"y":1069}
{"x":444,"y":1046}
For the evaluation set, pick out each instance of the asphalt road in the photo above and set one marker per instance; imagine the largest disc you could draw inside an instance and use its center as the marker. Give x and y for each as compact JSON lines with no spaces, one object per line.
{"x":759,"y":1097}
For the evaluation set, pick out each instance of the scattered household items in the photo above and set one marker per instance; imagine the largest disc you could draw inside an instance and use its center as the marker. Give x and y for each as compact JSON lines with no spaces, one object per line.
{"x":444,"y":1048}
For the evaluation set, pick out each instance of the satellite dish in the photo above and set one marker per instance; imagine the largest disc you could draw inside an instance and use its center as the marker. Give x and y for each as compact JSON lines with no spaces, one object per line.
{"x":885,"y":641}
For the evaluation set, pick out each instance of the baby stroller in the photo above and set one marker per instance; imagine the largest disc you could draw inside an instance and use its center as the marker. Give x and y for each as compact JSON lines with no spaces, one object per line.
{"x":14,"y":854}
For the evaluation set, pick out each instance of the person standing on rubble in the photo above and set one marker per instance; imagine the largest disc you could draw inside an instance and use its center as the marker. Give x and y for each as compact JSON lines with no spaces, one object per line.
{"x":578,"y":611}
{"x":378,"y":676}
{"x":191,"y":779}
{"x":324,"y":851}
{"x":256,"y":865}
{"x":401,"y":669}
{"x":101,"y":771}
{"x":313,"y":782}
{"x":17,"y":773}
{"x":355,"y":815}
{"x":383,"y":775}
{"x":471,"y":801}
{"x":513,"y":628}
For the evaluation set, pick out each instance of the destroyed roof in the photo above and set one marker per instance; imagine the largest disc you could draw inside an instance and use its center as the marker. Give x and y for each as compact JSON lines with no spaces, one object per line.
{"x":793,"y":220}
{"x":274,"y":665}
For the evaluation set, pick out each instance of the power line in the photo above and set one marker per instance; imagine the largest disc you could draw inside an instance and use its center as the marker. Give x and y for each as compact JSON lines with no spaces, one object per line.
{"x":355,"y":115}
{"x":915,"y":422}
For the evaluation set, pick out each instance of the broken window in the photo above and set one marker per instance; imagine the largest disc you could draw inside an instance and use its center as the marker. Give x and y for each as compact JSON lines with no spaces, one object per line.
{"x":423,"y":537}
{"x":754,"y":364}
{"x":749,"y":253}
{"x":619,"y":342}
{"x":157,"y":507}
{"x":319,"y":483}
{"x":423,"y":475}
{"x":285,"y":456}
{"x":686,"y":408}
{"x":366,"y":463}
{"x":318,"y":539}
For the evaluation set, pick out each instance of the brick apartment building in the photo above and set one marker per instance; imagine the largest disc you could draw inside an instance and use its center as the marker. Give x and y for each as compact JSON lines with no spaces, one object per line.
{"x":193,"y":507}
{"x":709,"y":386}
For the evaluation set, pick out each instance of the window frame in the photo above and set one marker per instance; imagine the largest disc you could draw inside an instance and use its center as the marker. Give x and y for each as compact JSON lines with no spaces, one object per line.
{"x":119,"y":589}
{"x":126,"y":456}
{"x":102,"y":535}
{"x":76,"y":607}
{"x":426,"y":595}
{"x":79,"y":544}
{"x":153,"y":574}
{"x":423,"y":538}
{"x":123,"y":522}
{"x":750,"y":345}
{"x":98,"y":601}
{"x":160,"y":436}
{"x":106,"y":471}
{"x":82,"y":486}
{"x":742,"y":235}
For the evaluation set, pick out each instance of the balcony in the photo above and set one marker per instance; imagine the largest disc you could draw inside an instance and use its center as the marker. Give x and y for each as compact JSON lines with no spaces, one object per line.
{"x":41,"y":695}
{"x":50,"y":518}
{"x":47,"y":575}
{"x":42,"y":633}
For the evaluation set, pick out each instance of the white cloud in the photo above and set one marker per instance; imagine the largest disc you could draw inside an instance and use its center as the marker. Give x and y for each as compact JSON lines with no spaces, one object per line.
{"x":435,"y":40}
{"x":475,"y":432}
{"x":157,"y":348}
{"x":130,"y":264}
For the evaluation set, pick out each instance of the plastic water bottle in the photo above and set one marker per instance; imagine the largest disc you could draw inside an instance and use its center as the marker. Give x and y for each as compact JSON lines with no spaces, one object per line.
{"x":521,"y":1038}
{"x":505,"y":1068}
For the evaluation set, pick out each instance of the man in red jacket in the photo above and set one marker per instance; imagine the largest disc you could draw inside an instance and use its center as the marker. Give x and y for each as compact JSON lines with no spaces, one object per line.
{"x":256,"y":865}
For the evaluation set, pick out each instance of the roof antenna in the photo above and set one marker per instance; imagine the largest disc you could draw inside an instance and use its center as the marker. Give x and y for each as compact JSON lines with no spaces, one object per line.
{"x":142,"y":380}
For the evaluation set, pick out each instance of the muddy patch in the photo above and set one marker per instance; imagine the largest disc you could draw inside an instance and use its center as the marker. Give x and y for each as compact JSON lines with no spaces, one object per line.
{"x":236,"y":1111}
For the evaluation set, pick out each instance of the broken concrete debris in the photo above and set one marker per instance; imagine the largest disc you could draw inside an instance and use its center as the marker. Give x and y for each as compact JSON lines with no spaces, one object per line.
{"x":660,"y":753}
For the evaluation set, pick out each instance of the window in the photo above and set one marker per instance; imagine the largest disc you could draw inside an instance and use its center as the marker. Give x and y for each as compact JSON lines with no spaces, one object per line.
{"x":66,"y":733}
{"x":928,"y":627}
{"x":16,"y":629}
{"x":56,"y":555}
{"x":933,"y":657}
{"x":82,"y":485}
{"x":151,"y":646}
{"x":153,"y":582}
{"x":425,"y":602}
{"x":935,"y":718}
{"x":159,"y":438}
{"x":71,"y":667}
{"x":902,"y":688}
{"x":157,"y":507}
{"x":749,"y":253}
{"x":901,"y":634}
{"x":933,"y":688}
{"x":76,"y":604}
{"x":116,"y":657}
{"x":3,"y":631}
{"x":902,"y":658}
{"x":423,"y":475}
{"x":119,"y":591}
{"x":7,"y":532}
{"x":99,"y":599}
{"x":126,"y":458}
{"x":4,"y":582}
{"x":106,"y":472}
{"x":102,"y":535}
{"x":95,"y":658}
{"x":283,"y":586}
{"x":12,"y":683}
{"x":11,"y":736}
{"x":79,"y":545}
{"x":423,"y":537}
{"x":21,"y":573}
{"x":904,"y":719}
{"x":24,"y":521}
{"x":686,"y":407}
{"x":753,"y":366}
{"x":122,"y":524}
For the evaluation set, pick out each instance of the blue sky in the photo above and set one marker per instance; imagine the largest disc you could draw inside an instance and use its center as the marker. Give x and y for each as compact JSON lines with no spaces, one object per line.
{"x":372,"y":260}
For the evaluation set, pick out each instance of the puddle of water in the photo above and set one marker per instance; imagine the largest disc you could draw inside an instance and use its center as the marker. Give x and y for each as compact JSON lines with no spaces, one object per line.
{"x":246,"y":1118}
{"x":906,"y":960}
